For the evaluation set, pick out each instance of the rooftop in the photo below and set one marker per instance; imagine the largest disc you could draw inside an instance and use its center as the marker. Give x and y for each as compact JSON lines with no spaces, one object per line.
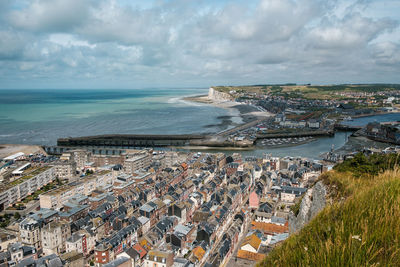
{"x":33,"y":172}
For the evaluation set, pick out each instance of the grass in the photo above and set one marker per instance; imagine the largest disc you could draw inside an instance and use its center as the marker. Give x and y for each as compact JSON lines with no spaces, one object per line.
{"x":29,"y":176}
{"x":321,"y":92}
{"x":360,"y":228}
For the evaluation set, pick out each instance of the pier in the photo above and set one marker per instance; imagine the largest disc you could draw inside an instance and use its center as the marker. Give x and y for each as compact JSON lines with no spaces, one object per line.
{"x":129,"y":140}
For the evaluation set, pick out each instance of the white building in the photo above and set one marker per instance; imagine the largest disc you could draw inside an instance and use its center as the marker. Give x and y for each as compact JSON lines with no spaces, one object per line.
{"x":24,"y":186}
{"x":137,"y":162}
{"x":54,"y":236}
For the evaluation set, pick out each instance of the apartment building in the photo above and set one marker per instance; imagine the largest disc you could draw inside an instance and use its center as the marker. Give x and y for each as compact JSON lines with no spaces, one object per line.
{"x":65,"y":170}
{"x":137,"y":162}
{"x":54,"y":236}
{"x":29,"y":230}
{"x":26,"y":185}
{"x":56,"y":198}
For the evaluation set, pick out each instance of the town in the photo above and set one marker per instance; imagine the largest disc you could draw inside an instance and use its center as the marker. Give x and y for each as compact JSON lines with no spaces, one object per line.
{"x":124,"y":200}
{"x":299,"y":113}
{"x":146,"y":206}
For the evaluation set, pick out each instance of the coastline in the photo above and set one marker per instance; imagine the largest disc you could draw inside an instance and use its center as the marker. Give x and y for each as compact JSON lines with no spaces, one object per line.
{"x":239,"y":113}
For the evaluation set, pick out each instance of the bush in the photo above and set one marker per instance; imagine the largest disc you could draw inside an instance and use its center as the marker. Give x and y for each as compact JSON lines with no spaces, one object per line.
{"x":372,"y":165}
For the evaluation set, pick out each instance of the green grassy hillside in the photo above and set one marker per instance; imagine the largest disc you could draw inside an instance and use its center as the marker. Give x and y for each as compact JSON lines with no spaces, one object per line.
{"x":360,"y":228}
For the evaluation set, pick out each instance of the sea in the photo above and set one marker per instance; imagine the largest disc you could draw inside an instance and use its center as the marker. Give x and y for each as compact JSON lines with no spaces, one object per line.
{"x":40,"y":117}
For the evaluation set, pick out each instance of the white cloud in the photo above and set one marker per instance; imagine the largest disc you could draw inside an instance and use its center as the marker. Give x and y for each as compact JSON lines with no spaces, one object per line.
{"x":177,"y":42}
{"x":50,"y":15}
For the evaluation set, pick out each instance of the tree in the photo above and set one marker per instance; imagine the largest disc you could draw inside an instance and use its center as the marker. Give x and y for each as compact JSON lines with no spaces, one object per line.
{"x":17,"y":216}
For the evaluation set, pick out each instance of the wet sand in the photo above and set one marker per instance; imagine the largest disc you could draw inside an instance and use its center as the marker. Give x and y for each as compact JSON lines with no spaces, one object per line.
{"x":9,"y":149}
{"x":240,"y":113}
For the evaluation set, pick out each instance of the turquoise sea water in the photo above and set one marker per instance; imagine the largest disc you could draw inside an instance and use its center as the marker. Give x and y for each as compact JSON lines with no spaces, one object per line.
{"x":42,"y":116}
{"x":362,"y":121}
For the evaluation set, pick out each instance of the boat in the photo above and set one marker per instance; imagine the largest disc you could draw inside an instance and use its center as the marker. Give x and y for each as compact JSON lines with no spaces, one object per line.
{"x":348,"y":118}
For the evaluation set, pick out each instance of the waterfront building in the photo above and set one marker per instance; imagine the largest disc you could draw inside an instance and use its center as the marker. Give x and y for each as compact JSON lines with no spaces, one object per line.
{"x":65,"y":170}
{"x":137,"y":162}
{"x":55,"y":199}
{"x":25,"y":185}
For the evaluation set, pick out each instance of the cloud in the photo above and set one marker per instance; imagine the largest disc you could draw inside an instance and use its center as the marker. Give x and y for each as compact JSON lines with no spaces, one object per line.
{"x":50,"y":15}
{"x":115,"y":43}
{"x":351,"y":32}
{"x":11,"y":45}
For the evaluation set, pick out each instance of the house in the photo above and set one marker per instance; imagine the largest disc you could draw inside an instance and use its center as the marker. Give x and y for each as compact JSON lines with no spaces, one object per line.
{"x":182,"y":262}
{"x":51,"y":260}
{"x":159,"y":258}
{"x":254,"y":200}
{"x":164,"y":225}
{"x":73,"y":259}
{"x":205,"y":232}
{"x":18,"y":252}
{"x":140,"y":251}
{"x":198,"y":252}
{"x":251,"y":243}
{"x":77,"y":242}
{"x":103,"y":253}
{"x":119,"y":262}
{"x":182,"y":237}
{"x":289,"y":193}
{"x":145,"y":224}
{"x":148,"y":210}
{"x":313,"y":124}
{"x":178,"y":209}
{"x":270,"y":228}
{"x":54,"y":236}
{"x":280,"y":117}
{"x":29,"y":230}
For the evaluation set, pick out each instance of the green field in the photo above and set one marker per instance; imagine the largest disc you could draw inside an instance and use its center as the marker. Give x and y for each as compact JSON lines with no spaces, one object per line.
{"x":360,"y":228}
{"x":309,"y":91}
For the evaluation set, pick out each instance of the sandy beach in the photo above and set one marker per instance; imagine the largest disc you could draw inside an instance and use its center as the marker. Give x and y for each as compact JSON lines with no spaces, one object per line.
{"x":9,"y":149}
{"x":238,"y":113}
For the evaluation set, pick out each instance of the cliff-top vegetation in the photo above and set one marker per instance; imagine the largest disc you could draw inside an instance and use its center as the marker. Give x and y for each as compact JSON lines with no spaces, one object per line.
{"x":360,"y":228}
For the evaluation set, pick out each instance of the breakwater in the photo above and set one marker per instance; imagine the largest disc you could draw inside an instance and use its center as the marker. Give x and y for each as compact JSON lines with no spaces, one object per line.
{"x":129,"y":140}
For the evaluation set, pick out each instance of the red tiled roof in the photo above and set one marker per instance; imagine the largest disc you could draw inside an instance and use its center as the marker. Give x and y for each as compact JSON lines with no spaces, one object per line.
{"x":142,"y":252}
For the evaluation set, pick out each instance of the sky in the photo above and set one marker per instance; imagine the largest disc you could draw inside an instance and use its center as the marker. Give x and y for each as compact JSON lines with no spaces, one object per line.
{"x":106,"y":44}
